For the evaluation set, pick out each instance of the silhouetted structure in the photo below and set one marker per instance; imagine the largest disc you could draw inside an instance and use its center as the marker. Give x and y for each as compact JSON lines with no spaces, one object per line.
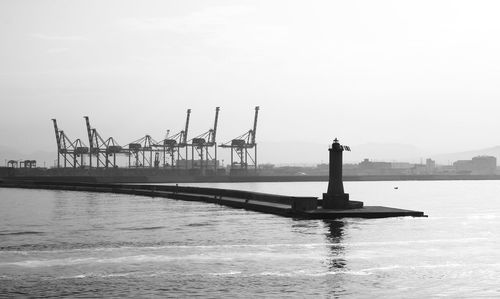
{"x":336,"y":198}
{"x":478,"y":165}
{"x":105,"y":151}
{"x":69,"y":150}
{"x":171,"y":146}
{"x":200,"y":149}
{"x":241,"y":157}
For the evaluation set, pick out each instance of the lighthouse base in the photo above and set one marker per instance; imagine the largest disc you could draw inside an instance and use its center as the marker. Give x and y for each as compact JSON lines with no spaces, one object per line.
{"x":339,"y":201}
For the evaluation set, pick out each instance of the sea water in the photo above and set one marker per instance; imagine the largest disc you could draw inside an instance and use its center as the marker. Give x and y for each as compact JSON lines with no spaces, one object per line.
{"x":84,"y":244}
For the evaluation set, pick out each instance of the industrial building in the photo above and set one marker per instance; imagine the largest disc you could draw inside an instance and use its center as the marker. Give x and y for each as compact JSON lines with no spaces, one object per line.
{"x":478,"y":165}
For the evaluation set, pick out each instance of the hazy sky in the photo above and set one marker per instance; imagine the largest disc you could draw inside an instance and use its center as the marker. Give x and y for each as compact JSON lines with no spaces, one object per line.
{"x":413,"y":72}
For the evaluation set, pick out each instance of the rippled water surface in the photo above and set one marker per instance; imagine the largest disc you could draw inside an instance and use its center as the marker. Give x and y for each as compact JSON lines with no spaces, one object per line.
{"x":80,"y":244}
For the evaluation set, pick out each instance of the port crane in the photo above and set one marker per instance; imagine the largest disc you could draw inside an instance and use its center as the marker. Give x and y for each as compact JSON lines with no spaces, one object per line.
{"x":142,"y":150}
{"x":172,"y":144}
{"x":69,"y":150}
{"x":105,"y":151}
{"x":241,"y":146}
{"x":201,"y":144}
{"x":12,"y":163}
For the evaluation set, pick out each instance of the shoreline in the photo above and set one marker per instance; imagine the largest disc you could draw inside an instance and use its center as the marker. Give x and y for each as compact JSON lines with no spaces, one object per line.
{"x":111,"y":178}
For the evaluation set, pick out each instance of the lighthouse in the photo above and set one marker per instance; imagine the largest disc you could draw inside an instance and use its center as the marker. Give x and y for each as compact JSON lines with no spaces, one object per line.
{"x":335,"y":197}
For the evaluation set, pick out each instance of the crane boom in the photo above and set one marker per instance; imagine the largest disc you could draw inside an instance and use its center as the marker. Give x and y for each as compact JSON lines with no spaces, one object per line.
{"x":214,"y":132}
{"x":58,"y":137}
{"x":89,"y":132}
{"x":254,"y":131}
{"x":91,"y":141}
{"x":184,"y":141}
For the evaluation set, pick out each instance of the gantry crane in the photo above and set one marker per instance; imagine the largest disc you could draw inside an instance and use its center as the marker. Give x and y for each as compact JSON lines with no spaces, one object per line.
{"x":140,"y":149}
{"x":201,"y":144}
{"x":240,"y":147}
{"x":27,"y":164}
{"x":102,"y":149}
{"x":69,"y":150}
{"x":172,"y":144}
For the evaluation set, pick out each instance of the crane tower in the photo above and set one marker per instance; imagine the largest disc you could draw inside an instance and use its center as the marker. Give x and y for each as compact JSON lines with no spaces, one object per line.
{"x":105,"y":151}
{"x":241,"y":149}
{"x":69,"y":150}
{"x":172,"y":144}
{"x":142,"y":151}
{"x":201,"y":145}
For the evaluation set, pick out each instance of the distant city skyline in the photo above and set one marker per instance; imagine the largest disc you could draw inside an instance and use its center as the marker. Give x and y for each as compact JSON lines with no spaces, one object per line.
{"x":415,"y":73}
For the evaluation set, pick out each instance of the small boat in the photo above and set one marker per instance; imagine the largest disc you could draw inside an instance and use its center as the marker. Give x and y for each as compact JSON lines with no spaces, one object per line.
{"x":396,"y":187}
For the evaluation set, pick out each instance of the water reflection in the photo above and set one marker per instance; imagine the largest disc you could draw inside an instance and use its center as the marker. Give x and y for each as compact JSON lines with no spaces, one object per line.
{"x":334,"y":236}
{"x":306,"y":227}
{"x":335,"y":230}
{"x":68,"y":205}
{"x":92,"y":204}
{"x":60,"y":205}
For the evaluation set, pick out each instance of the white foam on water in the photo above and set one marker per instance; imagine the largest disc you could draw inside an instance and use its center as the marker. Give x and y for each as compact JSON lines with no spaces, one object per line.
{"x":113,"y":260}
{"x":230,"y":273}
{"x":225,"y":246}
{"x":218,"y":253}
{"x":411,"y":242}
{"x":306,"y":273}
{"x":76,"y":276}
{"x":252,"y":246}
{"x":394,"y":267}
{"x":296,"y":273}
{"x":49,"y":263}
{"x":97,"y":275}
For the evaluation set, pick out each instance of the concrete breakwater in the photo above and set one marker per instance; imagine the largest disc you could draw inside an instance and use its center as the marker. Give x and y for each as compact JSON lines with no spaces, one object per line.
{"x":288,"y":206}
{"x":166,"y":176}
{"x":261,"y":202}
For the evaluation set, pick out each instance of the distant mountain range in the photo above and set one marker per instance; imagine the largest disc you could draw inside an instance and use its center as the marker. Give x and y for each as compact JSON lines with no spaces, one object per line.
{"x":303,"y":153}
{"x":299,"y":153}
{"x":467,"y":155}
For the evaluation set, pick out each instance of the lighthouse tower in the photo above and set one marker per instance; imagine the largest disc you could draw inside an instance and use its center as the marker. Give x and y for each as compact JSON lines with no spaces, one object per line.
{"x":336,"y":198}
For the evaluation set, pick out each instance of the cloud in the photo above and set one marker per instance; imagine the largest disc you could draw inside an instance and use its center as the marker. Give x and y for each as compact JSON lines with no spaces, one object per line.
{"x":230,"y":27}
{"x":71,"y":38}
{"x":57,"y":50}
{"x":198,"y":21}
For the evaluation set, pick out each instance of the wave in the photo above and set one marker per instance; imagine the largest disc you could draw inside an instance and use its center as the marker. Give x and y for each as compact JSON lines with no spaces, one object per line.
{"x":143,"y":228}
{"x":297,"y":273}
{"x":19,"y":233}
{"x":229,"y":273}
{"x":300,"y":273}
{"x":425,"y":266}
{"x":84,"y":247}
{"x":199,"y":224}
{"x":113,"y":260}
{"x":245,"y":274}
{"x":198,"y":257}
{"x":96,"y":275}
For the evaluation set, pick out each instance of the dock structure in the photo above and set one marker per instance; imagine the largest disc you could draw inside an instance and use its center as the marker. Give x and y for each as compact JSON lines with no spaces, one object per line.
{"x":288,"y":206}
{"x":335,"y":203}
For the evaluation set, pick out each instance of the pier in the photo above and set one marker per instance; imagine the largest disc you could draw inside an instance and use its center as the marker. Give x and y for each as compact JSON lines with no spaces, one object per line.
{"x":288,"y":206}
{"x":335,"y":203}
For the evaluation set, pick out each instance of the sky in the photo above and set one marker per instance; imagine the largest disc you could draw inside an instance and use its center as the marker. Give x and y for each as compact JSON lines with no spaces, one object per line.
{"x":422,"y":73}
